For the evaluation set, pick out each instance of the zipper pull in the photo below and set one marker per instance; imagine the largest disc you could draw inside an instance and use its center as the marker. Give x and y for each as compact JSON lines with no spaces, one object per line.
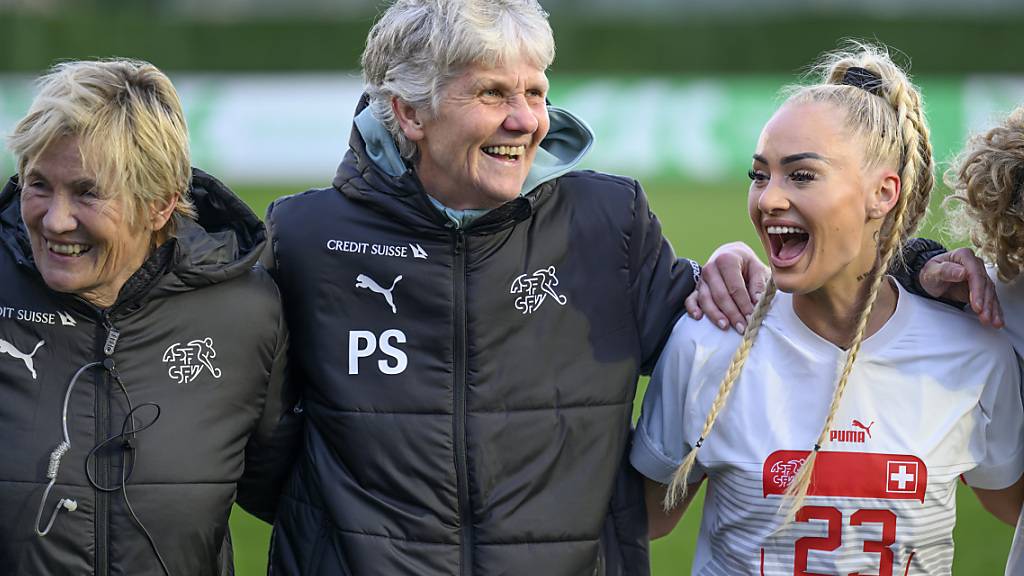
{"x":459,"y":239}
{"x":112,"y":335}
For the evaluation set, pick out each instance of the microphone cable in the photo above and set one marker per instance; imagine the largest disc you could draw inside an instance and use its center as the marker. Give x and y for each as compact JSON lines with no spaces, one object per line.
{"x":127,"y":438}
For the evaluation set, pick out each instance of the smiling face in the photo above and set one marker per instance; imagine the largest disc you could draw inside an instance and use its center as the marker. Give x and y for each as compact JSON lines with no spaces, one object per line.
{"x":477,"y":149}
{"x":815,"y":205}
{"x":82,"y":242}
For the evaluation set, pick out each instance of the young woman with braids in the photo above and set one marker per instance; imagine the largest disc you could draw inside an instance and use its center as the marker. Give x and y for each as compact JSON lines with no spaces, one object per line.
{"x":834,"y":432}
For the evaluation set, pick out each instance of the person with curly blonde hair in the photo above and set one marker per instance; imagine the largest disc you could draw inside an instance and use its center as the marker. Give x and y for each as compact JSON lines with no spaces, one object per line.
{"x":987,"y":206}
{"x":834,"y":432}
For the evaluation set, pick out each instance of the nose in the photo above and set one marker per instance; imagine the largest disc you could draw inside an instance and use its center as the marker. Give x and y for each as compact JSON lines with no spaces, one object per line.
{"x":521,"y":117}
{"x":772,"y":199}
{"x":60,"y":215}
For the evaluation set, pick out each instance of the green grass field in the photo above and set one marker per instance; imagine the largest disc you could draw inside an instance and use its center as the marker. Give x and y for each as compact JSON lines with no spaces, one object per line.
{"x":696,"y":219}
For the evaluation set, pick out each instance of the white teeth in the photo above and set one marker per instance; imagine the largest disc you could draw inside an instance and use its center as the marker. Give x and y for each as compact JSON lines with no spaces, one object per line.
{"x":506,"y":150}
{"x":785,"y":230}
{"x":67,"y":249}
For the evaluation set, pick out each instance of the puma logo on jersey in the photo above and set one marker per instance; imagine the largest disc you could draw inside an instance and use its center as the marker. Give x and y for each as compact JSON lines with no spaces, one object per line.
{"x":9,"y":349}
{"x":867,"y":428}
{"x":852,"y":436}
{"x":535,"y":289}
{"x":364,"y":281}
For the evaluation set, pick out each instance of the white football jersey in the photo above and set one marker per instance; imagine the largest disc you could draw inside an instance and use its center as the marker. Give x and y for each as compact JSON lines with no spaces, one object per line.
{"x":933,"y":397}
{"x":1011,"y":298}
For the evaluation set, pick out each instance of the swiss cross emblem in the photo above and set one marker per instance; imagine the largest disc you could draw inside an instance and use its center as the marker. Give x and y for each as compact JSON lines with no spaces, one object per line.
{"x":901,"y":477}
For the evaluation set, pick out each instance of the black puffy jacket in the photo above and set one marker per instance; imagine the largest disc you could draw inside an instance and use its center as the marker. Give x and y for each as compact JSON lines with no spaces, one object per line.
{"x":469,"y":390}
{"x":198,"y":331}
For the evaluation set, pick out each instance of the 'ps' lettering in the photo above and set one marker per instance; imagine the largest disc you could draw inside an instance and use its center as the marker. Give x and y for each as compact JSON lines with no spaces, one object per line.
{"x":363,"y":344}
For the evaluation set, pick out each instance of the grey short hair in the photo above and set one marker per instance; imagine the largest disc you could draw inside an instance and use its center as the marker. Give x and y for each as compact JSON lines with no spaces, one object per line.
{"x":418,"y":46}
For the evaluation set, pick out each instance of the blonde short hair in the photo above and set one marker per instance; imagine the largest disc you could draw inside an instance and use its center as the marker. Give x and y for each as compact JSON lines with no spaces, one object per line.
{"x":131,"y":130}
{"x":987,"y":204}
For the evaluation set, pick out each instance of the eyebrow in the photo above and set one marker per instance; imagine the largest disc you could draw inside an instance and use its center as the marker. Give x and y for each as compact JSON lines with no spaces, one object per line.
{"x":795,"y":158}
{"x":489,"y":81}
{"x":84,"y":183}
{"x":78,"y":183}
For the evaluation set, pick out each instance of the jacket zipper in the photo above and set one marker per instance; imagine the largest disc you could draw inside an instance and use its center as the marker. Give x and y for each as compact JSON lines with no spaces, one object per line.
{"x":102,"y":518}
{"x":461,"y":466}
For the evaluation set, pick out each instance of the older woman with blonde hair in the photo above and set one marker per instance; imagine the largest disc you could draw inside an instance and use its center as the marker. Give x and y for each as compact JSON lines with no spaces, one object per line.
{"x":142,"y":354}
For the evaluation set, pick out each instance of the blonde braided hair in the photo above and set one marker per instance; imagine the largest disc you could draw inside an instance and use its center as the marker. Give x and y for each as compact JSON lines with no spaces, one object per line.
{"x":902,"y":136}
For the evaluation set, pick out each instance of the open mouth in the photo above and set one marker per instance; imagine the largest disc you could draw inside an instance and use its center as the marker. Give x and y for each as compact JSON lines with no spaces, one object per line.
{"x":787,"y":244}
{"x":73,"y":250}
{"x":506,"y":153}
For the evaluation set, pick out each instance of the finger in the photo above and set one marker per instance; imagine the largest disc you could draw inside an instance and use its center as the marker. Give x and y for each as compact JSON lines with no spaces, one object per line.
{"x":997,"y":310}
{"x":736,"y":286}
{"x":953,"y":282}
{"x":952,"y":272}
{"x":950,"y":280}
{"x":692,"y":304}
{"x":724,"y":299}
{"x":930,"y":276}
{"x":979,"y":285}
{"x":984,"y":309}
{"x":706,"y":298}
{"x":757,"y":283}
{"x":993,"y":314}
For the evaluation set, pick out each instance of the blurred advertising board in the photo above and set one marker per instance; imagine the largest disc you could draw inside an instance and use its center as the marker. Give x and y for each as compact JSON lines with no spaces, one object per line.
{"x":293,"y":128}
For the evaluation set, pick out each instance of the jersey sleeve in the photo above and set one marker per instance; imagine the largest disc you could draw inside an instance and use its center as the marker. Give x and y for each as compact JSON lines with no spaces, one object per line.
{"x":1002,"y":416}
{"x":660,"y":442}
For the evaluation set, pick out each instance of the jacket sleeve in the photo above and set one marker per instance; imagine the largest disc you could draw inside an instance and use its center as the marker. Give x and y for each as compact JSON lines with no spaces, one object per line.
{"x":273,"y":445}
{"x":659,"y":282}
{"x":624,"y":539}
{"x":268,"y":259}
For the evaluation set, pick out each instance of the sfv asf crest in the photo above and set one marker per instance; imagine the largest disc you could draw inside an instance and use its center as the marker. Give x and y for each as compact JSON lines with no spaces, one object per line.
{"x":187,"y":361}
{"x":534,"y":289}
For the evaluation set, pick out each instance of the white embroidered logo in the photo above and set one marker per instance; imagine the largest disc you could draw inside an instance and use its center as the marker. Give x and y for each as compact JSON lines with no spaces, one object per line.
{"x":364,"y":281}
{"x":784,"y":472}
{"x":188,"y":360}
{"x":418,"y":251}
{"x":9,"y":349}
{"x":66,"y":319}
{"x":535,"y":288}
